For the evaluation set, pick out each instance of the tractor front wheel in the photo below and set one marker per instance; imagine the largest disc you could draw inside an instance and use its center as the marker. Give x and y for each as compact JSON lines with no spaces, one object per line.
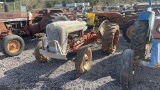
{"x":127,"y":71}
{"x":41,"y":58}
{"x":83,"y":60}
{"x":12,"y":45}
{"x":139,"y":39}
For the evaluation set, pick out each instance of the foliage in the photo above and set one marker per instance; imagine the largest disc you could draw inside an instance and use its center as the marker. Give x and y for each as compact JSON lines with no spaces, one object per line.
{"x":49,"y":4}
{"x":33,"y":4}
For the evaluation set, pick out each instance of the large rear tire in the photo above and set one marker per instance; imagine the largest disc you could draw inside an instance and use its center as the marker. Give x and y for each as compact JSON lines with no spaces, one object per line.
{"x":12,"y":45}
{"x":83,"y":60}
{"x":139,"y":39}
{"x":127,"y":70}
{"x":56,"y":17}
{"x":41,"y":58}
{"x":110,"y":36}
{"x":127,"y":30}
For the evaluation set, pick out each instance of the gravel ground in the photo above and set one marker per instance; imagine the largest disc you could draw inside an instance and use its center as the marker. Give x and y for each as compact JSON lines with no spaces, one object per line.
{"x":24,"y":72}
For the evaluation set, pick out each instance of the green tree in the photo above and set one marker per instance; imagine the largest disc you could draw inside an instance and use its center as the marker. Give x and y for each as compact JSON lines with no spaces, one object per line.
{"x":49,"y":4}
{"x":33,"y":4}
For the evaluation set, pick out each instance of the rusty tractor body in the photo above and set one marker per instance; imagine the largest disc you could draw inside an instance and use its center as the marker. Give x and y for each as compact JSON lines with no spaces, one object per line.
{"x":24,"y":23}
{"x":125,"y":21}
{"x":20,"y":24}
{"x":116,"y":17}
{"x":64,"y":37}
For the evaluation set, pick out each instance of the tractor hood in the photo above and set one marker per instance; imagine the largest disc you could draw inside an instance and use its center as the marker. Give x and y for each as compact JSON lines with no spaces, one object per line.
{"x":59,"y":31}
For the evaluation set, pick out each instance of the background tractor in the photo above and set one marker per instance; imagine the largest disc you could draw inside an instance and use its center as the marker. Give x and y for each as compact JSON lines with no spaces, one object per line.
{"x":139,"y":7}
{"x":124,"y":19}
{"x":64,"y":37}
{"x":15,"y":25}
{"x":146,"y":33}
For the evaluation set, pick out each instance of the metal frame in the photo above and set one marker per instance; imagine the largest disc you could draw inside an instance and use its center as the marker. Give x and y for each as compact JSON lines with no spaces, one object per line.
{"x":58,"y":54}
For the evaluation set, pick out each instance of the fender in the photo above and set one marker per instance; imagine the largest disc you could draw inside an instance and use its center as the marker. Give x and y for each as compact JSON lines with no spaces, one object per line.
{"x":150,"y":16}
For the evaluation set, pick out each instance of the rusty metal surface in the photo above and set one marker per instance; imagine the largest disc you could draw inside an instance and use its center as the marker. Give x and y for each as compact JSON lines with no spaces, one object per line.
{"x":4,"y":31}
{"x":122,"y":20}
{"x":30,"y":27}
{"x":35,"y":29}
{"x":11,"y":15}
{"x":155,"y":33}
{"x":3,"y":27}
{"x":115,"y":17}
{"x":109,"y":14}
{"x":85,"y":39}
{"x":46,"y":11}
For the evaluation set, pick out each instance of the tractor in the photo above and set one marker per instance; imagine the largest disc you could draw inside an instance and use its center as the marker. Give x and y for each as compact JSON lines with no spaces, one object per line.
{"x":144,"y":40}
{"x":124,"y":19}
{"x":128,"y":27}
{"x":17,"y":25}
{"x":65,"y":37}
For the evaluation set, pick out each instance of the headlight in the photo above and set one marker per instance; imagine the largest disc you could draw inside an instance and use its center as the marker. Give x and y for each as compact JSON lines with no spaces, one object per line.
{"x":158,"y":28}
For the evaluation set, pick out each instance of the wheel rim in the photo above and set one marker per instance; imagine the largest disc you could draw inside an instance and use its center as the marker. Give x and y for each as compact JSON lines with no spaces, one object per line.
{"x":39,"y":56}
{"x":115,"y":40}
{"x":147,"y":45}
{"x":13,"y":46}
{"x":146,"y":49}
{"x":129,"y":31}
{"x":86,"y":64}
{"x":42,"y":58}
{"x":99,"y":41}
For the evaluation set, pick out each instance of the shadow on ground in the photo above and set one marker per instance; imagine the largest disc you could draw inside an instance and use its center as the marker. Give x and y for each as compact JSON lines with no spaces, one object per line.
{"x":27,"y":75}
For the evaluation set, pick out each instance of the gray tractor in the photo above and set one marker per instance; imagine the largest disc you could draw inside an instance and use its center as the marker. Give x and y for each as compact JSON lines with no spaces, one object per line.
{"x":63,"y":37}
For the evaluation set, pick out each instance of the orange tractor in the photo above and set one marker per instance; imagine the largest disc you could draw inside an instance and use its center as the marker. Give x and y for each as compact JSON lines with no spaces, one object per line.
{"x":125,"y":21}
{"x":15,"y":25}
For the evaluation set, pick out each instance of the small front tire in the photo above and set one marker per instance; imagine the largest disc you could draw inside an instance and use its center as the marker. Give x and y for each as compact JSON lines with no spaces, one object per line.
{"x":127,"y":69}
{"x":41,"y":58}
{"x":83,"y":60}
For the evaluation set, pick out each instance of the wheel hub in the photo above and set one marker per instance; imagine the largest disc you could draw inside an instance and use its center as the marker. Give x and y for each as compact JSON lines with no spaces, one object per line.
{"x":129,"y":31}
{"x":86,"y":65}
{"x":13,"y":46}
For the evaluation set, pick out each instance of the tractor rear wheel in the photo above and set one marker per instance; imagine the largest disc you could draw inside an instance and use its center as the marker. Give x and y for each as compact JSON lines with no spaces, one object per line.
{"x":139,"y":39}
{"x":41,"y":58}
{"x":56,"y":17}
{"x":127,"y":30}
{"x":110,"y":36}
{"x":83,"y":60}
{"x":127,"y":69}
{"x":12,"y":45}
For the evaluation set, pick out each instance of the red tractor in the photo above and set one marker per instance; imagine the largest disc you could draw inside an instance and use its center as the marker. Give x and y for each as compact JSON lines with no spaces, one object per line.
{"x":15,"y":25}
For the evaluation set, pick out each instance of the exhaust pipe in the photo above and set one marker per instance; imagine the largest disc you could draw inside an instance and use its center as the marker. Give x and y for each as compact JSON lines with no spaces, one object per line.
{"x":6,"y":9}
